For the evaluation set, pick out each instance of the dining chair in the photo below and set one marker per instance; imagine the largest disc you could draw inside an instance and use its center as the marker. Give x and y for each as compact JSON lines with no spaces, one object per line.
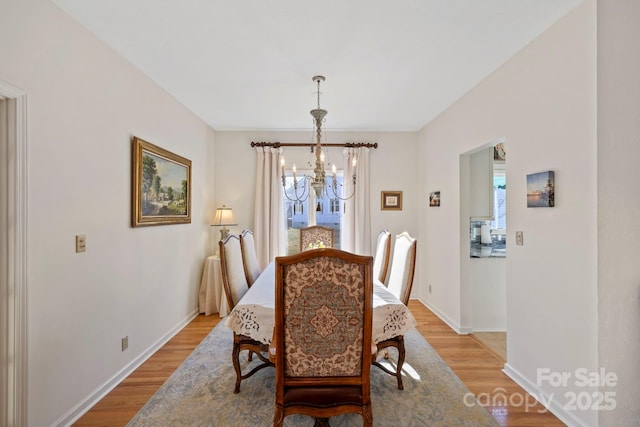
{"x":400,"y":282}
{"x":322,"y":335}
{"x":249,"y":257}
{"x":235,"y":286}
{"x":314,"y":234}
{"x":381,"y":257}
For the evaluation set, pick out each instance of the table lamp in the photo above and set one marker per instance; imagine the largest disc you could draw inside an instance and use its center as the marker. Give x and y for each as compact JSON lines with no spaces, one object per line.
{"x":224,"y":217}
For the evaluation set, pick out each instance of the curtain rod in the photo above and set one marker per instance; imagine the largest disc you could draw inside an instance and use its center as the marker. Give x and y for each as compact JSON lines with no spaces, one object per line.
{"x":300,"y":144}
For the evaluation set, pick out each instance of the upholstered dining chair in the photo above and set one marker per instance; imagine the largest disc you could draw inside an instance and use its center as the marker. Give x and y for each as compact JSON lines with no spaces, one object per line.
{"x":403,"y":267}
{"x":235,"y":286}
{"x":322,"y":335}
{"x":315,"y":233}
{"x":400,"y":282}
{"x":249,"y":256}
{"x":381,"y":257}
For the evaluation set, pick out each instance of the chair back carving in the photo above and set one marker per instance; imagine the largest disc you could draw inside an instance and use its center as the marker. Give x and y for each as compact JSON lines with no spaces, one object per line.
{"x":233,"y":277}
{"x":249,"y":257}
{"x":403,"y":267}
{"x":315,"y":233}
{"x":322,"y":334}
{"x":381,"y":257}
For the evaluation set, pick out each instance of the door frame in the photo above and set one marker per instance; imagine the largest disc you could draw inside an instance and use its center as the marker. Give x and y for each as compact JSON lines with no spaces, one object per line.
{"x":14,"y":337}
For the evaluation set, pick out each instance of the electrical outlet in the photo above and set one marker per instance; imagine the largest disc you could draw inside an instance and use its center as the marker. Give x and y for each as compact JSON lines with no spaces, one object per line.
{"x":519,"y":238}
{"x":125,"y":343}
{"x":81,"y":243}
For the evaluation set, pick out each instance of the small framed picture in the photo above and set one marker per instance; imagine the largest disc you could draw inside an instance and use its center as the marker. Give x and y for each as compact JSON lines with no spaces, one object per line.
{"x":541,"y":190}
{"x":391,"y":200}
{"x":434,"y":199}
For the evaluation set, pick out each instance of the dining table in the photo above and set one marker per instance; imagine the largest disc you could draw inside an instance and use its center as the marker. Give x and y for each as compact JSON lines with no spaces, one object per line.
{"x":254,"y":315}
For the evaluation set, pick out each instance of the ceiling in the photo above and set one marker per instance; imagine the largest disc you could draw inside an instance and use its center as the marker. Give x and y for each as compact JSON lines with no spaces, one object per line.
{"x":248,"y":64}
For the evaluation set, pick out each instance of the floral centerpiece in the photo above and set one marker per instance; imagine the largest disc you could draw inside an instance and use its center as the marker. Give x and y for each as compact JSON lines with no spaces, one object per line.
{"x":318,"y":244}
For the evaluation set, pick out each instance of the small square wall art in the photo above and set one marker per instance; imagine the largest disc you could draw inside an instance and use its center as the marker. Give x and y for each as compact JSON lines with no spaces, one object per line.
{"x":541,"y":190}
{"x":434,"y":199}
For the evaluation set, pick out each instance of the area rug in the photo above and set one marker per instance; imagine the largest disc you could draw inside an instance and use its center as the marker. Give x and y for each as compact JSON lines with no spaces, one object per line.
{"x":200,"y":393}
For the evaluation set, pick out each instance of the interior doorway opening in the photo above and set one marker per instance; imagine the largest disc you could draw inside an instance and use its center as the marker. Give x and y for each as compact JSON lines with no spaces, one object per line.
{"x":484,"y":251}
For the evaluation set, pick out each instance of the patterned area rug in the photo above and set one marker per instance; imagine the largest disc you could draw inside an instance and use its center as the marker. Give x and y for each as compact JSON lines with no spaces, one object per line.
{"x":200,"y":393}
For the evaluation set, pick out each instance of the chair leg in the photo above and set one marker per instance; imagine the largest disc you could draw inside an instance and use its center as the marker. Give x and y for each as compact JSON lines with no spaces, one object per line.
{"x":235,"y":357}
{"x":241,"y":343}
{"x":367,"y":416}
{"x":400,"y":362}
{"x":278,"y":417}
{"x":398,"y":343}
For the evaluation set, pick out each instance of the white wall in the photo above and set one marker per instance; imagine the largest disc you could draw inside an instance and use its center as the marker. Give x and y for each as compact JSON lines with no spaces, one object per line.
{"x":393,"y":167}
{"x":84,"y":105}
{"x":619,"y":205}
{"x":488,"y":288}
{"x":543,"y":101}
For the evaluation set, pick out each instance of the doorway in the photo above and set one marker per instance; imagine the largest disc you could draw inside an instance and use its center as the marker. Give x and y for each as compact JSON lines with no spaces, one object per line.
{"x":483,"y":249}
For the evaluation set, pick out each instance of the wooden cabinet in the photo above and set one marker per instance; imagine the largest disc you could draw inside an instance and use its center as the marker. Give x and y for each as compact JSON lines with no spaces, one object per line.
{"x":481,"y":184}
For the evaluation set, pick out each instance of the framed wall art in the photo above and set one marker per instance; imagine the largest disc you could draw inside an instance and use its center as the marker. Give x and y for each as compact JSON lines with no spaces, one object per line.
{"x":391,"y":200}
{"x":541,"y":190}
{"x":434,"y":199}
{"x":161,"y":186}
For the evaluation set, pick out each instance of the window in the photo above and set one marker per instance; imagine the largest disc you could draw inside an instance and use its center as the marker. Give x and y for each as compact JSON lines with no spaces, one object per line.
{"x":499,"y":197}
{"x":328,"y":212}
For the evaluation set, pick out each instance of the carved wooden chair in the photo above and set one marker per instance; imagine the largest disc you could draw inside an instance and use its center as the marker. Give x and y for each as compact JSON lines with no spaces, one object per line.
{"x":381,"y":257}
{"x":400,"y":283}
{"x":316,"y":233}
{"x":235,"y":286}
{"x":249,"y":257}
{"x":322,"y":335}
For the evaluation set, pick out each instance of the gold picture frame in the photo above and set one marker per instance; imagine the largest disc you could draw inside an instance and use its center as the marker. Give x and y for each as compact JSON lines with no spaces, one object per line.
{"x":161,"y":186}
{"x":391,"y":200}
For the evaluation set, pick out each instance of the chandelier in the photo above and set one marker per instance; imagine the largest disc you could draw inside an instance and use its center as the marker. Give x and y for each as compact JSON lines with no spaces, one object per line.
{"x":321,"y":183}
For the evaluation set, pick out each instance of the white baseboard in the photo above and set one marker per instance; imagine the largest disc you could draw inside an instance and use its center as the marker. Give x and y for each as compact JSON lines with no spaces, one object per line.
{"x":544,"y":398}
{"x":452,"y":324}
{"x":88,"y":402}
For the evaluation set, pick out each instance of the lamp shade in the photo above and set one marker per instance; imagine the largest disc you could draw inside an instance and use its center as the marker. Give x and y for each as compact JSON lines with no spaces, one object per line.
{"x":224,"y":216}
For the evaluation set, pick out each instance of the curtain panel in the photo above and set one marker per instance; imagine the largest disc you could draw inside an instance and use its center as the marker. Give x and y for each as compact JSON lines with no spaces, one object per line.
{"x":269,"y":229}
{"x":356,"y":220}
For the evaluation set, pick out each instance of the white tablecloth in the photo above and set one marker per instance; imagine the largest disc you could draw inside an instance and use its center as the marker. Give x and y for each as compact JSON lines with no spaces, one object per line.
{"x":254,"y":315}
{"x":211,"y":298}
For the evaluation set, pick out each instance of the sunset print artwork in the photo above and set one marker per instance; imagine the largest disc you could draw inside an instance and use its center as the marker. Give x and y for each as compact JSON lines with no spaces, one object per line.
{"x":541,"y":190}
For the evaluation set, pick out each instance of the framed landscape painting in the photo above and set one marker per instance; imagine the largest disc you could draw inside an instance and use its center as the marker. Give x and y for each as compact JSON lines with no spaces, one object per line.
{"x":541,"y":190}
{"x":161,"y":186}
{"x":391,"y":200}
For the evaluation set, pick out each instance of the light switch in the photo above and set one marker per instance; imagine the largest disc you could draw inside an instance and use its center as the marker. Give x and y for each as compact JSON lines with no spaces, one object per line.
{"x":519,"y":238}
{"x":81,"y":243}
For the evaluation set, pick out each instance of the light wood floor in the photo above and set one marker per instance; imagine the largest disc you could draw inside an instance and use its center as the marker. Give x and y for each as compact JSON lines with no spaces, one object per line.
{"x":479,"y":368}
{"x":495,"y":342}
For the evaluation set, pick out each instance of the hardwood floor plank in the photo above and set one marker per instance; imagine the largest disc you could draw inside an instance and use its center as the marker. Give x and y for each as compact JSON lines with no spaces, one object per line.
{"x":478,"y":368}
